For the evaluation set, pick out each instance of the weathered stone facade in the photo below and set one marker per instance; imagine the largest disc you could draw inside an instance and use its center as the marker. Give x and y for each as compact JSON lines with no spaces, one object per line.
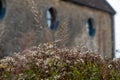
{"x":25,"y":25}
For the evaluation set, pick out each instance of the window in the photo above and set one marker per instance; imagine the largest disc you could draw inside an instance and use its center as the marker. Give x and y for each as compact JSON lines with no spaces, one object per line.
{"x":2,"y":9}
{"x":52,"y":18}
{"x":90,"y":27}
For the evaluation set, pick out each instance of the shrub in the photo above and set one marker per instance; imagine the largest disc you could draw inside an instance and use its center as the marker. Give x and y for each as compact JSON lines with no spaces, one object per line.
{"x":47,"y":62}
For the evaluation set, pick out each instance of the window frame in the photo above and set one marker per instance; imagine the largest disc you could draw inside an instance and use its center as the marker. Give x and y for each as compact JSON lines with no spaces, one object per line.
{"x":91,"y":27}
{"x":2,"y":9}
{"x":51,"y":16}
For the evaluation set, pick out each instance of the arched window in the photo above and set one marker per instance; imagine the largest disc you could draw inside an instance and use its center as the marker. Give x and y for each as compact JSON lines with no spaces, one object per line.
{"x":52,"y":18}
{"x":2,"y":9}
{"x":90,"y":27}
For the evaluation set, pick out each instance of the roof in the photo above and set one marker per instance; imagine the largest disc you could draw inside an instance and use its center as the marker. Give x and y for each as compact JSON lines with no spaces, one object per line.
{"x":97,"y":4}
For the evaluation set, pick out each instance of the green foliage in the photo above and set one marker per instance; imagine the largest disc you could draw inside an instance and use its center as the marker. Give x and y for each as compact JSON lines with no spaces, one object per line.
{"x":47,"y":62}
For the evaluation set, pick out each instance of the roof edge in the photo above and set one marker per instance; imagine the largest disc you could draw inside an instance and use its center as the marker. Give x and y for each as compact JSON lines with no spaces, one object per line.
{"x":113,"y":12}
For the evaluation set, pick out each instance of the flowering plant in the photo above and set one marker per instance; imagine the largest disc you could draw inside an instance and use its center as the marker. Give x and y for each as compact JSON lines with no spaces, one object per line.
{"x":47,"y":62}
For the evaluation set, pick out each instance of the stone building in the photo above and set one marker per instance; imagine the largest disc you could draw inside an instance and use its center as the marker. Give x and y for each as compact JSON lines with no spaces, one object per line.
{"x":25,"y":23}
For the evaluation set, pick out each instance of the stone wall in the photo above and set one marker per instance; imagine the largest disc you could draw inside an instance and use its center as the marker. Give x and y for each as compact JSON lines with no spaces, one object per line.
{"x":25,"y":25}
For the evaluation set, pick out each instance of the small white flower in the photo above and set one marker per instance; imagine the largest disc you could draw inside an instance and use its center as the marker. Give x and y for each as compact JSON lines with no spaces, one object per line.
{"x":57,"y":57}
{"x":56,"y":76}
{"x":110,"y":66}
{"x":82,"y":60}
{"x":47,"y":61}
{"x":67,"y":61}
{"x":50,"y":46}
{"x":47,"y":71}
{"x":75,"y":62}
{"x":34,"y":53}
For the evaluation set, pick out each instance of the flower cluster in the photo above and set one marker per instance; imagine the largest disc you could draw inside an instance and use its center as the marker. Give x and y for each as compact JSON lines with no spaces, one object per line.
{"x":47,"y":62}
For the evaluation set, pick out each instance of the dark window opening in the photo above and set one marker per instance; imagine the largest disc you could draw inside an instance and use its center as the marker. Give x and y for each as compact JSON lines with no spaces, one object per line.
{"x":90,"y":26}
{"x":52,"y":21}
{"x":2,"y":9}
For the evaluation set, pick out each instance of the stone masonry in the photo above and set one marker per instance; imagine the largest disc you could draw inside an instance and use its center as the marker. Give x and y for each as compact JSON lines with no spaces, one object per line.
{"x":25,"y":25}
